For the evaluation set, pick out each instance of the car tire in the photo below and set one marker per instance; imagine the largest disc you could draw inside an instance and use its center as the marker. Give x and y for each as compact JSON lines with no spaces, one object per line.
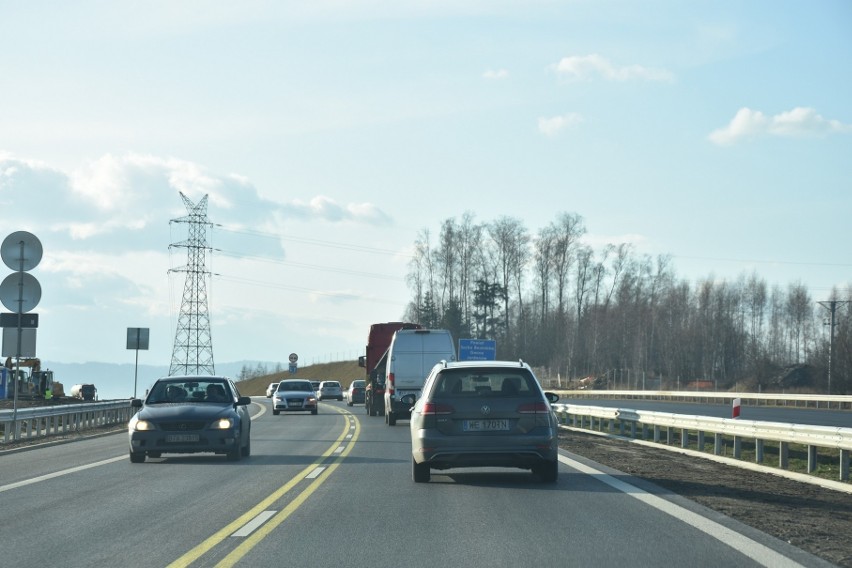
{"x":246,"y":450}
{"x":314,"y":411}
{"x":236,"y":453}
{"x":548,"y":472}
{"x":391,"y":419}
{"x":348,"y":403}
{"x":420,"y":472}
{"x":137,"y":457}
{"x":276,"y":412}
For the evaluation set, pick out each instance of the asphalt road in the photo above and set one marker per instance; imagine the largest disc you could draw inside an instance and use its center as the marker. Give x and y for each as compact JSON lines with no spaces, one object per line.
{"x":335,"y":490}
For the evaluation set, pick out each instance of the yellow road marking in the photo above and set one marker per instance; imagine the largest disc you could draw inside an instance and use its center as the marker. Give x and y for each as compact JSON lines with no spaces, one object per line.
{"x":222,"y":534}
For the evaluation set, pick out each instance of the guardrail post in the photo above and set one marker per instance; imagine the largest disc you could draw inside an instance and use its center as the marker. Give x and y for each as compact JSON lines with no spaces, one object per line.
{"x":717,"y":444}
{"x":669,"y":435}
{"x":758,"y":451}
{"x":656,"y":434}
{"x":812,"y":459}
{"x":738,"y":447}
{"x":844,"y":465}
{"x":701,"y":440}
{"x":783,"y":455}
{"x":684,"y":438}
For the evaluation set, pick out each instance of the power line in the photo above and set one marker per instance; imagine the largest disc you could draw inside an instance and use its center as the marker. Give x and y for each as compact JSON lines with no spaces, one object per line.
{"x":339,"y":295}
{"x":308,"y":266}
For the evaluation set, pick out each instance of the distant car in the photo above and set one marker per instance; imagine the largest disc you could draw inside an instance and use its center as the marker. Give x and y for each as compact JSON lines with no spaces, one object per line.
{"x":189,"y":414}
{"x":270,"y":390}
{"x":294,"y":395}
{"x":330,"y":389}
{"x":356,"y":392}
{"x":483,"y":414}
{"x":315,"y":385}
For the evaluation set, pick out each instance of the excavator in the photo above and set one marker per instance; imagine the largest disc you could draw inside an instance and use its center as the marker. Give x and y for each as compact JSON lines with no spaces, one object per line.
{"x":38,"y":384}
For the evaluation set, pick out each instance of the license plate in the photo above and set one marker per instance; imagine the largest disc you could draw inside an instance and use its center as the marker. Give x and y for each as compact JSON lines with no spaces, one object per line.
{"x":182,"y":438}
{"x":494,"y":425}
{"x":296,"y":404}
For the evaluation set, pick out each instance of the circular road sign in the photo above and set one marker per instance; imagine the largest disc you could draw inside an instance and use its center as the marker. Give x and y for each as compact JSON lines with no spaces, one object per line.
{"x":293,"y":357}
{"x":21,"y":251}
{"x":20,"y":292}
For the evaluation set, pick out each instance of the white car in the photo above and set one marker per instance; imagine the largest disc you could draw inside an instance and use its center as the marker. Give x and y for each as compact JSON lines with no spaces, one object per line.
{"x":329,"y":389}
{"x":270,"y":390}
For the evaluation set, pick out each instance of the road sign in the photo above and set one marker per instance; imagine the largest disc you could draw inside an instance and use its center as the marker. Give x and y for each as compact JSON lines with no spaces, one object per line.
{"x":137,"y":337}
{"x":13,"y":320}
{"x":292,"y":368}
{"x":293,"y":357}
{"x":477,"y":350}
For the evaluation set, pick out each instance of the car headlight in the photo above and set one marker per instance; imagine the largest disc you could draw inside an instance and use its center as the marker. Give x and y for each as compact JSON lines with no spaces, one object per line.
{"x":223,"y":424}
{"x":142,"y":425}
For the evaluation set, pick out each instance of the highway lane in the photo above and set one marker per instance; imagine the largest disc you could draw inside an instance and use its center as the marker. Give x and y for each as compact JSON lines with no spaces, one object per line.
{"x":361,"y":509}
{"x":792,"y":415}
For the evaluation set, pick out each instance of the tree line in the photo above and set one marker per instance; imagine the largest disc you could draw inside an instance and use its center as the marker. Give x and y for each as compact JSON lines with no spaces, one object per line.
{"x":621,"y":319}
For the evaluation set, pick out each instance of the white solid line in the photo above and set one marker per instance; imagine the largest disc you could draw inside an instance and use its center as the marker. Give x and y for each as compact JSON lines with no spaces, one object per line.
{"x":339,"y":449}
{"x":315,"y":473}
{"x":58,"y":474}
{"x":253,"y":524}
{"x":760,"y":553}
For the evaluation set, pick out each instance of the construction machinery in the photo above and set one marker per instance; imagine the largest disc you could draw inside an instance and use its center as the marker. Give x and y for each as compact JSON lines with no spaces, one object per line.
{"x":32,"y":382}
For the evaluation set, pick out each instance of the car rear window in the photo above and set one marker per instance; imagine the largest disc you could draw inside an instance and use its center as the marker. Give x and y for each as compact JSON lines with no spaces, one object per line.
{"x":331,"y":384}
{"x":484,"y":383}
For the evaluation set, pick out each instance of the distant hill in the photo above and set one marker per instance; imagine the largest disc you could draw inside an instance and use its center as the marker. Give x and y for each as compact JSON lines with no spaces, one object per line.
{"x":115,"y":381}
{"x":343,"y":371}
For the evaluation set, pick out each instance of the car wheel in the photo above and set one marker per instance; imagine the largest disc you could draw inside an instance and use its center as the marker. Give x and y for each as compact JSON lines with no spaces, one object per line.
{"x":548,"y":472}
{"x":236,"y":453}
{"x":314,"y":411}
{"x":276,"y":412}
{"x":137,"y":457}
{"x":349,"y":403}
{"x":420,"y":472}
{"x":391,"y":419}
{"x":246,"y":450}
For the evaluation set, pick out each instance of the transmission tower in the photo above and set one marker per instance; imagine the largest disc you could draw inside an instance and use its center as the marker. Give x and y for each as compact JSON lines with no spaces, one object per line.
{"x":193,"y":349}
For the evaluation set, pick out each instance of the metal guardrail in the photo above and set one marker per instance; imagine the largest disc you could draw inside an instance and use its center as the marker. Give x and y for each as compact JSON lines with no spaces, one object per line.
{"x":61,"y":419}
{"x":647,"y":424}
{"x":821,"y":401}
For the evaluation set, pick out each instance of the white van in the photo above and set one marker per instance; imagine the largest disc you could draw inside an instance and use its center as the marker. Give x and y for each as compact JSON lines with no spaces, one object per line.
{"x":411,"y":356}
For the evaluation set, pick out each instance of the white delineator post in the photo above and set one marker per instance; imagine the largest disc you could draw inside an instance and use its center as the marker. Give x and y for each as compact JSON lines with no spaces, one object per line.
{"x":736,"y":408}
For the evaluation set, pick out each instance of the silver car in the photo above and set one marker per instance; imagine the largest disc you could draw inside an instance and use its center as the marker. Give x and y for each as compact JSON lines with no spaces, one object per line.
{"x":483,"y":414}
{"x":330,"y":389}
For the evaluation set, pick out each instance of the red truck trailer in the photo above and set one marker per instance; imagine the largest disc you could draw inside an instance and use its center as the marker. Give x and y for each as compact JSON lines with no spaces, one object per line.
{"x":374,"y":361}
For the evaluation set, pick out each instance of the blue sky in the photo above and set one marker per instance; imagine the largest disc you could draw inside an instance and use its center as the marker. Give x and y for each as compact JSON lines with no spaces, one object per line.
{"x":328,"y":134}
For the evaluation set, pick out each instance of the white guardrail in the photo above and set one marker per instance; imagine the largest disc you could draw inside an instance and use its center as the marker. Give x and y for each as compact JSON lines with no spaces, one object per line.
{"x":658,"y":425}
{"x":820,"y":401}
{"x":61,"y":419}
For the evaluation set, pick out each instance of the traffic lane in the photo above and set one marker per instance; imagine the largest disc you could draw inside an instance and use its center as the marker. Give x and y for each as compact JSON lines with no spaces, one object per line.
{"x":378,"y":516}
{"x":152,"y":513}
{"x":787,"y":415}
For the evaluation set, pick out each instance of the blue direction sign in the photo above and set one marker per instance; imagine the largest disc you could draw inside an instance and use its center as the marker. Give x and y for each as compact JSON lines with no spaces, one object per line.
{"x":477,"y":350}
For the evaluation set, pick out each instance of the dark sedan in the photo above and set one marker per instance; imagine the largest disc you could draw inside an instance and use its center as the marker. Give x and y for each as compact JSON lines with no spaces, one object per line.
{"x":190,"y":414}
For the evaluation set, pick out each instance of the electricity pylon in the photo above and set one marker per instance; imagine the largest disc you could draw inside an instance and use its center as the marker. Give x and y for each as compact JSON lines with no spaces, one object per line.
{"x":193,"y":348}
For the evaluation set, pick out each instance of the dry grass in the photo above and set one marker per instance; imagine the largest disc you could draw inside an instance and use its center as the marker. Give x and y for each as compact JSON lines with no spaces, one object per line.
{"x":343,"y":371}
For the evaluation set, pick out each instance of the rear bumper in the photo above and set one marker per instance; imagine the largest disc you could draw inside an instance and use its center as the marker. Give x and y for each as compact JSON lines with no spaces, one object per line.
{"x":445,"y":452}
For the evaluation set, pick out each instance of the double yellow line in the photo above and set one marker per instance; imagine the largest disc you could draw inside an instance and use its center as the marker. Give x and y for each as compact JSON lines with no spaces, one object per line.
{"x":263,"y":531}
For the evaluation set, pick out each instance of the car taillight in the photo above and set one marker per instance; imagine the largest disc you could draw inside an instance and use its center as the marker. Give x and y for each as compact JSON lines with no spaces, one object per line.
{"x":391,"y":389}
{"x":432,"y":408}
{"x":533,"y":408}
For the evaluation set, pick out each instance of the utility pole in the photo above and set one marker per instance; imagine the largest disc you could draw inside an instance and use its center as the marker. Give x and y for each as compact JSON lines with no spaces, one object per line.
{"x":831,"y":306}
{"x":193,"y":347}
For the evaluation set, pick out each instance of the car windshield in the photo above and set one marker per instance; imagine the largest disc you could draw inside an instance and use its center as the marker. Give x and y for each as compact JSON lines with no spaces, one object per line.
{"x":215,"y":391}
{"x":295,"y":386}
{"x":484,"y":383}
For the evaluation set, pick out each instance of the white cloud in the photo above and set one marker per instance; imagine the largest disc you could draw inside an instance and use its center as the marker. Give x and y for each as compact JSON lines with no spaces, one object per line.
{"x":496,"y":74}
{"x":556,"y":124}
{"x":327,"y":209}
{"x":801,"y":121}
{"x":588,"y":67}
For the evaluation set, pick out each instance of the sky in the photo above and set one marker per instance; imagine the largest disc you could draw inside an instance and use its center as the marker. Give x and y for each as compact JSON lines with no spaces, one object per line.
{"x":328,"y":135}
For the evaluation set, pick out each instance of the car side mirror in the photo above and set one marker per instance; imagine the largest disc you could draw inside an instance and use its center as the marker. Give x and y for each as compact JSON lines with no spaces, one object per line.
{"x":243,"y":401}
{"x":135,"y":403}
{"x":408,"y":399}
{"x":551,"y":397}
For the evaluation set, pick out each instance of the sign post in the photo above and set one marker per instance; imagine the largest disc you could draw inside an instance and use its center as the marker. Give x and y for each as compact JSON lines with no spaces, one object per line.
{"x":293,"y":363}
{"x":137,"y":338}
